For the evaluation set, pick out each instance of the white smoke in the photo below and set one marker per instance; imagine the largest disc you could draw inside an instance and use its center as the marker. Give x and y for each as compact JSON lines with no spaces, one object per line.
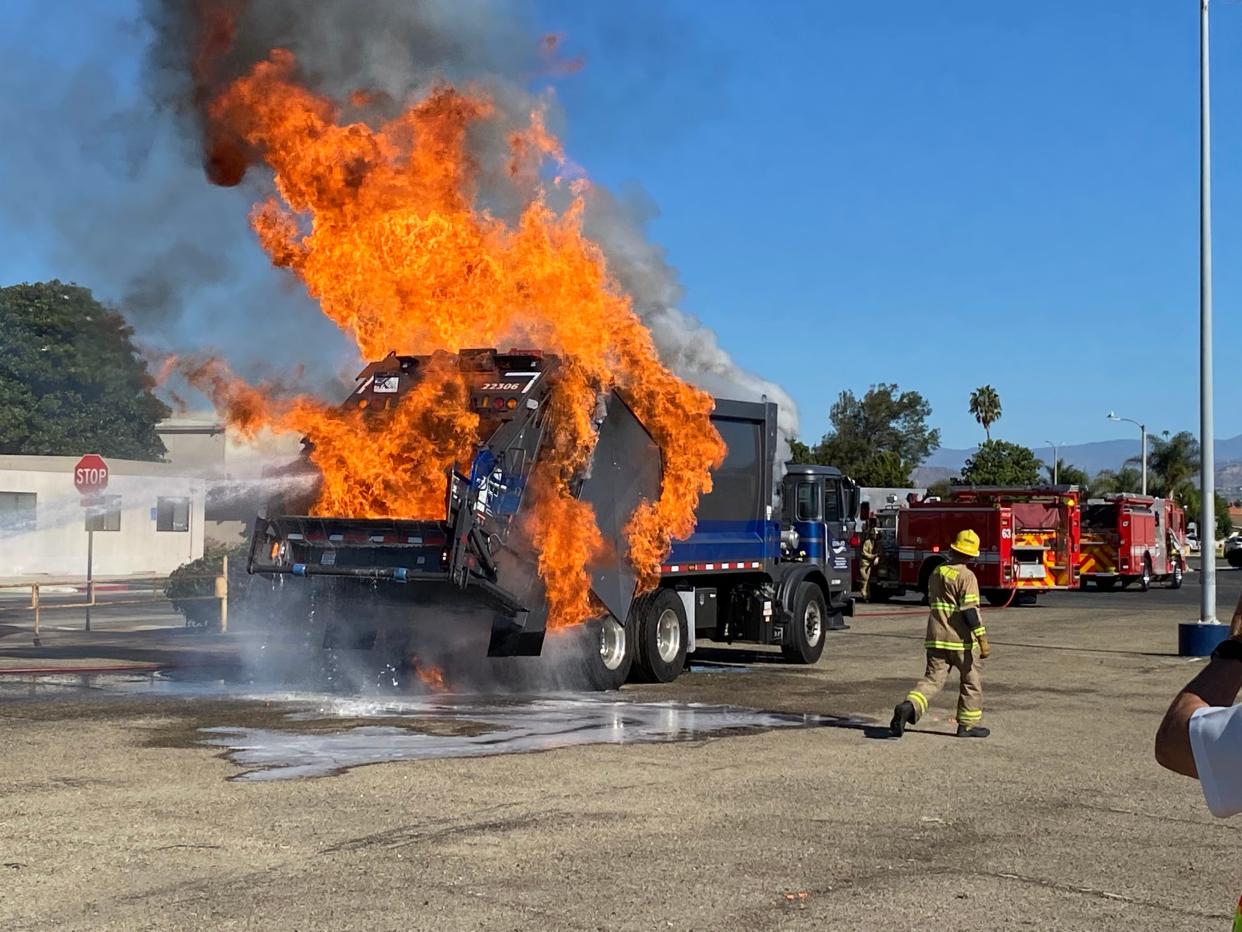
{"x":686,"y":345}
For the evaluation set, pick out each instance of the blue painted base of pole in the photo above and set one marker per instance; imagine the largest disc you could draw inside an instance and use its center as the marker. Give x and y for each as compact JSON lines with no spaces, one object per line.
{"x":1198,"y":640}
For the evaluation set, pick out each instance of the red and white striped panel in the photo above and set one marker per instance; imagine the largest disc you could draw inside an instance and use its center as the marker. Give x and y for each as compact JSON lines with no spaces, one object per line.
{"x":709,"y":567}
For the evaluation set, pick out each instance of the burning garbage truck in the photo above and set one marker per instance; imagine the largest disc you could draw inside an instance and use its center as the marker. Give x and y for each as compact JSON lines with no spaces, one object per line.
{"x":768,"y":561}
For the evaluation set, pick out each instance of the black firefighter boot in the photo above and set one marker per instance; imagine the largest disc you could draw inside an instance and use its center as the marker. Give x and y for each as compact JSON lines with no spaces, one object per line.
{"x":978,"y":731}
{"x":903,"y":715}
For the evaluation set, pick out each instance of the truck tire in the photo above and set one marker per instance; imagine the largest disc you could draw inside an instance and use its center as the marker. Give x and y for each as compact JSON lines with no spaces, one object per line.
{"x":661,"y":636}
{"x":1178,"y":574}
{"x":1144,"y":580}
{"x":930,"y":565}
{"x":810,"y":621}
{"x":999,"y":598}
{"x":608,"y":652}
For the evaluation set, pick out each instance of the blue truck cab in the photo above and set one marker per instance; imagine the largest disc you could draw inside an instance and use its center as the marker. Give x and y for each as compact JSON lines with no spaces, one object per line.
{"x":769,"y":559}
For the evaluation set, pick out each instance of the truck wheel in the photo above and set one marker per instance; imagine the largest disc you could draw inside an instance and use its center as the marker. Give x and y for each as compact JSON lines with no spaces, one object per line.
{"x":810,"y":617}
{"x":929,"y":566}
{"x":1175,"y":580}
{"x":608,"y":651}
{"x":661,"y":637}
{"x":999,"y":598}
{"x":1144,"y":581}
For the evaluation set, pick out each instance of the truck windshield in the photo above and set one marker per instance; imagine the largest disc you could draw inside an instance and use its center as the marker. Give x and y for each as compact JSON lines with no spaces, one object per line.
{"x":1100,"y":516}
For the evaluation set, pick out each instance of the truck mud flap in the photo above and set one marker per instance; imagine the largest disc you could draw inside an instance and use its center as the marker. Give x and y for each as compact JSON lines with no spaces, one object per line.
{"x":512,"y":638}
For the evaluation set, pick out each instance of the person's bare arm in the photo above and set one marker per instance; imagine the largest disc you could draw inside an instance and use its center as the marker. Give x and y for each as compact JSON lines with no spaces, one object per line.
{"x":1216,"y":685}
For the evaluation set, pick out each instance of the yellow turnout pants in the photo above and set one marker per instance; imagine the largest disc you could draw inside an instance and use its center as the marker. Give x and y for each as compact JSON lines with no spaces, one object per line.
{"x":970,"y":692}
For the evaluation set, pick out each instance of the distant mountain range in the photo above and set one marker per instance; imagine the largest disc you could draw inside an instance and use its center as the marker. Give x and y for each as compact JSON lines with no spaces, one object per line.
{"x":1090,"y":457}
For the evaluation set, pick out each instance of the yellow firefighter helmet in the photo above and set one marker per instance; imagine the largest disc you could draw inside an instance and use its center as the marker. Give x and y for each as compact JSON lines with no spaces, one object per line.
{"x":966,"y":543}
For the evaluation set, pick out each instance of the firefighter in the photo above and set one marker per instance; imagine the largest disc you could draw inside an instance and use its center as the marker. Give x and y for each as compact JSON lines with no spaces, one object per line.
{"x":868,"y":561}
{"x":956,"y":638}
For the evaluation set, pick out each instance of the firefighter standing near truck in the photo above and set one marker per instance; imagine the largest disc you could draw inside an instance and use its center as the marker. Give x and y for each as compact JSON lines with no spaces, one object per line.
{"x":956,"y":639}
{"x":868,"y":561}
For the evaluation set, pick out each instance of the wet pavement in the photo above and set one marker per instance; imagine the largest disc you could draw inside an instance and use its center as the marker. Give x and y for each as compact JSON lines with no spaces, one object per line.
{"x":719,"y":801}
{"x":326,"y":734}
{"x":464,"y":727}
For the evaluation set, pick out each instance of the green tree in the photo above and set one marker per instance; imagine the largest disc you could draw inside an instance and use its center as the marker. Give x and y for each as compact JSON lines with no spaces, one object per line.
{"x":885,"y":470}
{"x":1065,"y":474}
{"x":71,"y":380}
{"x":985,"y":405}
{"x":1191,"y":501}
{"x":998,"y":462}
{"x":880,"y":438}
{"x":1172,"y":465}
{"x":1108,"y":482}
{"x":799,"y":452}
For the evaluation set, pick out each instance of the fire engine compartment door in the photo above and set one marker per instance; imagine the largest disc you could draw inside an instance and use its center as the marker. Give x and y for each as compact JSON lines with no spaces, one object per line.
{"x":625,"y":470}
{"x":1030,"y":564}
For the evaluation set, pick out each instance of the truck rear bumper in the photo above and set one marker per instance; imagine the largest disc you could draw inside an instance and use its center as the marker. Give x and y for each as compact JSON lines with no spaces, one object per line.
{"x":322,"y":551}
{"x":431,"y":587}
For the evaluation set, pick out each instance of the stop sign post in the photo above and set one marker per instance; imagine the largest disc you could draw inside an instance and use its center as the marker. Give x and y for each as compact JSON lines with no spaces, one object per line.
{"x":90,"y":477}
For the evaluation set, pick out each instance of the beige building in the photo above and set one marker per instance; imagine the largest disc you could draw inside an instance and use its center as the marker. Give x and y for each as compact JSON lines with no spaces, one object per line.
{"x":198,"y":446}
{"x":149,"y":520}
{"x":194,"y":445}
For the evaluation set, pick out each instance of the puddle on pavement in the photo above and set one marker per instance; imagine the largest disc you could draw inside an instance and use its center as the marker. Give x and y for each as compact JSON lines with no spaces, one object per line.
{"x":477,"y":727}
{"x":328,"y":733}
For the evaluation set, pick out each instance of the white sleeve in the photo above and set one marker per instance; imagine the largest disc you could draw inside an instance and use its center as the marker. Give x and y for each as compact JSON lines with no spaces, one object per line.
{"x":1216,"y":740}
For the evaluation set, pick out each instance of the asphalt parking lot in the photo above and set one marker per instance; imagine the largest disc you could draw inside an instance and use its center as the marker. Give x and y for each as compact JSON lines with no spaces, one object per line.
{"x":196,"y":800}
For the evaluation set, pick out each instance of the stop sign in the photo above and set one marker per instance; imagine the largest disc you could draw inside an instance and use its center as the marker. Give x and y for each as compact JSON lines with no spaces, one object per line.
{"x":91,"y":474}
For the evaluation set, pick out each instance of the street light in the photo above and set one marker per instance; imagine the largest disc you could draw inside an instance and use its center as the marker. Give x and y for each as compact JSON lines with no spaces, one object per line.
{"x":1112,"y":416}
{"x":1207,"y":451}
{"x":1056,"y":463}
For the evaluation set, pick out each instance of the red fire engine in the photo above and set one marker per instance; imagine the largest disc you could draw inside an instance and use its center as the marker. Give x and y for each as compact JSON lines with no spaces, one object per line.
{"x":1028,"y":538}
{"x":1132,"y":538}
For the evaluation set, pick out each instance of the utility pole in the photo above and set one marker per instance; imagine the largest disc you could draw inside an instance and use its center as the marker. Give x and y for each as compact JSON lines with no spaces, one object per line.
{"x":1207,"y":452}
{"x":1056,"y":463}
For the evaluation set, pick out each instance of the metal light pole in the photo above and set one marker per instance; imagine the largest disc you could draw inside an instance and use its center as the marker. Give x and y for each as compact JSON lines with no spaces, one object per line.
{"x":1112,"y":416}
{"x":1056,"y":463}
{"x":1207,"y":452}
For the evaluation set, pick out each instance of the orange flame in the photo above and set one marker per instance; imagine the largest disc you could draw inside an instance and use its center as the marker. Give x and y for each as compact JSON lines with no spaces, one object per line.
{"x":382,"y":226}
{"x":432,"y":677}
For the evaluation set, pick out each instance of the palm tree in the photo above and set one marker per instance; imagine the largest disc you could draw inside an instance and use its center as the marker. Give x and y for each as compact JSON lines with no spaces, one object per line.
{"x":985,"y":405}
{"x":1107,"y":482}
{"x":1173,"y":463}
{"x":1067,"y":474}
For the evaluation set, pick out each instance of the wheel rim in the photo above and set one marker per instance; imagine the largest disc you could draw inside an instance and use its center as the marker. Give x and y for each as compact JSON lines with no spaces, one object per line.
{"x":611,"y":644}
{"x":668,"y":635}
{"x":813,"y":621}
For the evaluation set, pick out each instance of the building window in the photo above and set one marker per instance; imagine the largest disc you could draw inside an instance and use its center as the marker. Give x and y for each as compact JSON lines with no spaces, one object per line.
{"x":104,"y":513}
{"x":172,"y":514}
{"x":17,"y":511}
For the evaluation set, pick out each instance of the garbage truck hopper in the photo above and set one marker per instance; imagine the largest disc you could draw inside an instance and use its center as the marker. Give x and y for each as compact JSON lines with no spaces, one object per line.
{"x":477,"y":557}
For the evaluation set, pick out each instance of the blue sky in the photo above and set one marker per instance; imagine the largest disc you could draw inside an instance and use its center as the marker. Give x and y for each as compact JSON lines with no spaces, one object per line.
{"x":938,"y":195}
